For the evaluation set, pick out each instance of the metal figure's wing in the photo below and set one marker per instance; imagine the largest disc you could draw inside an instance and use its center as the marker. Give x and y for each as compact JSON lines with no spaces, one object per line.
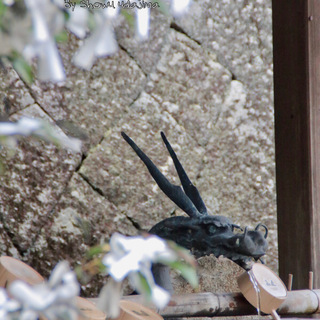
{"x":190,"y":190}
{"x":175,"y":193}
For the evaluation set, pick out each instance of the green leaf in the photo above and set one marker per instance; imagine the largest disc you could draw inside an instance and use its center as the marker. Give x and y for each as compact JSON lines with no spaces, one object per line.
{"x":182,"y":253}
{"x":2,"y":167}
{"x":187,"y":271}
{"x":129,"y":17}
{"x":163,"y":7}
{"x":144,"y":286}
{"x":61,"y":36}
{"x":22,"y":67}
{"x":3,"y":9}
{"x":91,"y":22}
{"x":96,"y":250}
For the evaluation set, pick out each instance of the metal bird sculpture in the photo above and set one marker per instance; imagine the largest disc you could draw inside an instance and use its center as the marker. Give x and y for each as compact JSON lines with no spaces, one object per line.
{"x":201,"y":233}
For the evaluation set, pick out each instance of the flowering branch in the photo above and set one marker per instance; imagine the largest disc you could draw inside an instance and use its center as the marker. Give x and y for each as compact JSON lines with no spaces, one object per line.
{"x":54,"y":299}
{"x":36,"y":128}
{"x":133,"y":257}
{"x":48,"y":18}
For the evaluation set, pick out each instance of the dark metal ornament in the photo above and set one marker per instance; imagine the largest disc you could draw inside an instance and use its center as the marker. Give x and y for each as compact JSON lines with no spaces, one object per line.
{"x":201,"y":233}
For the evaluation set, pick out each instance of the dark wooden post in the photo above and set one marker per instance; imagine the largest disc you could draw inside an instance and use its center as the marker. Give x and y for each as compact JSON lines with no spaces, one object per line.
{"x":296,"y":34}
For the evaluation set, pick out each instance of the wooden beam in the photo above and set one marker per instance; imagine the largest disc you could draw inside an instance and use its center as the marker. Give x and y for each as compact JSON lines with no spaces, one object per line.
{"x":314,"y":85}
{"x":296,"y":39}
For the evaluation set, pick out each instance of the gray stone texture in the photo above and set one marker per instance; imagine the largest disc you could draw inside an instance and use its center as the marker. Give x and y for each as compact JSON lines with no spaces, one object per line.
{"x":13,"y":92}
{"x":215,"y":275}
{"x":206,"y":81}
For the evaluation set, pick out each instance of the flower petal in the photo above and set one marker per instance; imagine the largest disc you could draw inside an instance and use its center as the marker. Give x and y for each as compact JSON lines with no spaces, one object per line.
{"x":106,"y":44}
{"x":50,"y":67}
{"x":159,"y":296}
{"x":77,"y":22}
{"x":142,"y":23}
{"x":58,"y":272}
{"x":109,"y":298}
{"x":179,"y":7}
{"x":25,"y":294}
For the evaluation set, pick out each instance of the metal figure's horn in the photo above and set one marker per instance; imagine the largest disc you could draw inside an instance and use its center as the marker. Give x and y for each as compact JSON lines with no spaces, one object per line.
{"x":190,"y":190}
{"x":245,"y":232}
{"x":265,"y":228}
{"x":175,"y":193}
{"x":235,"y":226}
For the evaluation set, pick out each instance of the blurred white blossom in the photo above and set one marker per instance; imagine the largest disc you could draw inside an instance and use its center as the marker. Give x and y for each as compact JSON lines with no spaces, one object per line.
{"x":37,"y":128}
{"x":78,"y":20}
{"x":143,"y":22}
{"x":54,"y":299}
{"x":8,"y":2}
{"x":179,"y":7}
{"x":48,"y":20}
{"x":43,"y":46}
{"x":109,"y":298}
{"x":101,"y":43}
{"x":129,"y":254}
{"x":8,"y":307}
{"x":133,"y":257}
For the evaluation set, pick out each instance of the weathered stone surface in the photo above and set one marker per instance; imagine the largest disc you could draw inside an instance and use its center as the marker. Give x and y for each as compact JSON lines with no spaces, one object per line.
{"x":243,"y":182}
{"x":34,"y":178}
{"x":120,"y":175}
{"x":14,"y":95}
{"x":237,"y":176}
{"x":240,"y":33}
{"x":7,"y":247}
{"x":215,"y":275}
{"x":213,"y":99}
{"x":92,"y":100}
{"x":190,"y":84}
{"x":82,"y":218}
{"x":145,"y":53}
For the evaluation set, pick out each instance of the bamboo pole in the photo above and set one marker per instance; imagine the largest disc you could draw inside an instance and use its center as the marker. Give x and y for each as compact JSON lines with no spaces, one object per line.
{"x":231,"y":304}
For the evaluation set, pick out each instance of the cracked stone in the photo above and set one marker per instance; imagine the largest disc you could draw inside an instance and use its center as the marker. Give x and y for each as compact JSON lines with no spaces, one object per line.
{"x":92,"y":100}
{"x":34,"y":179}
{"x":81,"y":219}
{"x":115,"y":169}
{"x":228,"y":27}
{"x":14,"y":94}
{"x":190,"y":84}
{"x":145,"y":53}
{"x":240,"y":34}
{"x":212,"y":96}
{"x":241,"y":144}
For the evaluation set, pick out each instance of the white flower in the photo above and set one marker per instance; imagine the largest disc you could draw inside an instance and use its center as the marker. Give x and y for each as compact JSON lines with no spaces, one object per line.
{"x":7,"y":305}
{"x":54,"y":299}
{"x":48,"y":19}
{"x":24,"y":127}
{"x":40,"y":129}
{"x":133,"y":257}
{"x":143,"y":22}
{"x":131,"y":253}
{"x":179,"y":7}
{"x":78,"y":20}
{"x":101,"y":43}
{"x":50,"y":67}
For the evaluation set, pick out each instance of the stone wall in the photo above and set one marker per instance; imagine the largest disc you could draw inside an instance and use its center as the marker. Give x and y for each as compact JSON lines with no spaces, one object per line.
{"x":205,"y":80}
